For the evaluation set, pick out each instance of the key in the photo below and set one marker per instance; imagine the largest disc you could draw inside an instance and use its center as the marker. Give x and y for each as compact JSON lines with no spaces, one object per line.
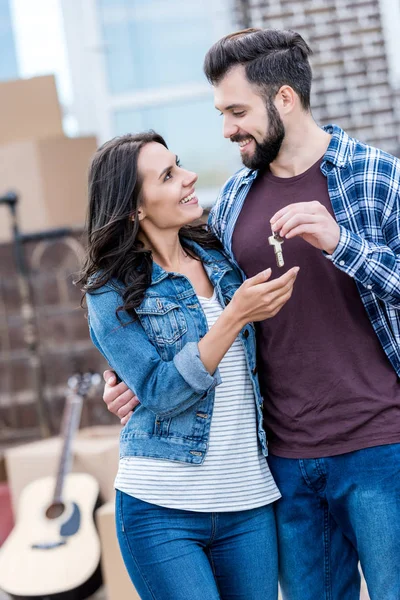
{"x":276,"y":241}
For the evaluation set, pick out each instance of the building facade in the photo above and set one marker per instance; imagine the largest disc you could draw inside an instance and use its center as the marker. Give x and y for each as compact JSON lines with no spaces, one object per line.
{"x":355,"y":63}
{"x":8,"y":62}
{"x":137,"y":65}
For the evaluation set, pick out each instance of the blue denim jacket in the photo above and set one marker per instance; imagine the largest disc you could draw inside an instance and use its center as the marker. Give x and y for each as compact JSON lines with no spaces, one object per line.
{"x":157,"y":356}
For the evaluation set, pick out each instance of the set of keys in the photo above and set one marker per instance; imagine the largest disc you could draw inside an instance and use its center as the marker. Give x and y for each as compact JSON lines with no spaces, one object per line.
{"x":276,"y":241}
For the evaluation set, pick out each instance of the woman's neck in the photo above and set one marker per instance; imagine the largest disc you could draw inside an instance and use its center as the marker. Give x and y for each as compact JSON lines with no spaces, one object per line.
{"x":167,"y":250}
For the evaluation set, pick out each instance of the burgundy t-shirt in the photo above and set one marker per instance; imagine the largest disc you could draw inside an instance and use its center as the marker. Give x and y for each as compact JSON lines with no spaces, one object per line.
{"x":328,"y":386}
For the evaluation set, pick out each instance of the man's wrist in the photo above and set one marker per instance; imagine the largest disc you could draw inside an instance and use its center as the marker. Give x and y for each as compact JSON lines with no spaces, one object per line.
{"x":330,"y":250}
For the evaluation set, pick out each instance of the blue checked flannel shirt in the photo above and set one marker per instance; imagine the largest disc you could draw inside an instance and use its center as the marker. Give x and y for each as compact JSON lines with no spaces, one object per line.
{"x":364,"y":188}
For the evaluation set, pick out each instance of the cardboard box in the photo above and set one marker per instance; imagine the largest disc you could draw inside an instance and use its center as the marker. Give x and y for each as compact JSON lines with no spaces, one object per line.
{"x":116,"y":579}
{"x":94,"y":450}
{"x":6,"y":516}
{"x":29,"y":109}
{"x":50,"y":177}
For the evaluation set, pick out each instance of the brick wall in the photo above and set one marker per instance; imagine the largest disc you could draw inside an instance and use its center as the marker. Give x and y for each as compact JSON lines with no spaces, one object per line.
{"x":351,"y":77}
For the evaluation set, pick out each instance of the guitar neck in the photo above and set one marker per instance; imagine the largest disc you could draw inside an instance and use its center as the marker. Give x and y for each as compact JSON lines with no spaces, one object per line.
{"x":70,"y":423}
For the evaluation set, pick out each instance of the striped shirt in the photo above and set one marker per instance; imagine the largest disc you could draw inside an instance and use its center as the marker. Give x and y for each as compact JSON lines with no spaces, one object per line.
{"x":364,"y":189}
{"x":234,"y":474}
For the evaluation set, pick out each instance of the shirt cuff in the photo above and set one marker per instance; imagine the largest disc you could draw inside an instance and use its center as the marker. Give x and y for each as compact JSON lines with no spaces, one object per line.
{"x":193,"y":371}
{"x":350,"y":254}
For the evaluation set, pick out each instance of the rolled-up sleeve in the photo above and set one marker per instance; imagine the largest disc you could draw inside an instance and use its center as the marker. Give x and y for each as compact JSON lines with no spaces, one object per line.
{"x":190,"y":366}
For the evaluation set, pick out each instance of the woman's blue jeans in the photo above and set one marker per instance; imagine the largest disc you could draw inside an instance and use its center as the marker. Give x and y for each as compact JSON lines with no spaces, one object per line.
{"x":182,"y":555}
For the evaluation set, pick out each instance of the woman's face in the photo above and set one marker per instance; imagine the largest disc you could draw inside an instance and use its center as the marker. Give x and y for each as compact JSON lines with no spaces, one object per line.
{"x":168,"y":194}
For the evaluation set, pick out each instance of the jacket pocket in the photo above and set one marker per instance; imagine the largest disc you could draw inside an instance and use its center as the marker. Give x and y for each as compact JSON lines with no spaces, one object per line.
{"x":163,"y":320}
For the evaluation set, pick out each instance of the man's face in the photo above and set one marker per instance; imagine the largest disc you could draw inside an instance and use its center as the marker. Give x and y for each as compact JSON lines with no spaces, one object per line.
{"x":250,"y":120}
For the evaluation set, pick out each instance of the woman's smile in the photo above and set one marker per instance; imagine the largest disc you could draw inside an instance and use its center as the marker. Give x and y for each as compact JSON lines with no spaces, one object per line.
{"x":190,"y":199}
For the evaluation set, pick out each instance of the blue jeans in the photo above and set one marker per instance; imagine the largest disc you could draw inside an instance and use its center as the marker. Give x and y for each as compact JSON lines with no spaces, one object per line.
{"x":333,"y":513}
{"x":182,"y":555}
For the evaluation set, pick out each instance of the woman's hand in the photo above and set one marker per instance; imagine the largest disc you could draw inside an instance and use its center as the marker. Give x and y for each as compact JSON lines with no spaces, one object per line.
{"x":258,"y":298}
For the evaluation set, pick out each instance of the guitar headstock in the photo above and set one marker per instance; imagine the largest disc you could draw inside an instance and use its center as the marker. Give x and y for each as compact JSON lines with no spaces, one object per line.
{"x":82,"y":384}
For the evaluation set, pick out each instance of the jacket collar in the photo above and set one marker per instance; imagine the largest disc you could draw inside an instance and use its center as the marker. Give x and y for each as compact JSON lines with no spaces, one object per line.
{"x":215,"y":265}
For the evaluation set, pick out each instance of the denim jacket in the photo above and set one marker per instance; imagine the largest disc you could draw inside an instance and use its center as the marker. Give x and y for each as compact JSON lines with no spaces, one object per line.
{"x":157,"y":356}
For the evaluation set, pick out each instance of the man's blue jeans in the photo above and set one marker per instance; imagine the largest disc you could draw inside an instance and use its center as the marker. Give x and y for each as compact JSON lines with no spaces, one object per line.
{"x":333,"y":513}
{"x":182,"y":555}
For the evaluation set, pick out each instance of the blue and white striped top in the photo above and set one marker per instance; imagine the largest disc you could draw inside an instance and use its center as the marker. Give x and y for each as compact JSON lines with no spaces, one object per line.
{"x":234,"y":474}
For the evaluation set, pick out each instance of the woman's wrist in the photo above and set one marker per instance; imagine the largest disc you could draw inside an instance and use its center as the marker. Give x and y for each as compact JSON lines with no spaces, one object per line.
{"x":233,"y":317}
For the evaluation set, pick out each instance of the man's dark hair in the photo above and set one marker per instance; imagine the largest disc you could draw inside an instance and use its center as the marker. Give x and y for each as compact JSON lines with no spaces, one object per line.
{"x":271,"y":58}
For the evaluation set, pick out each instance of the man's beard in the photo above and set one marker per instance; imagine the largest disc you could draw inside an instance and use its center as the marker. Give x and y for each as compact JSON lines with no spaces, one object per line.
{"x":267,"y":150}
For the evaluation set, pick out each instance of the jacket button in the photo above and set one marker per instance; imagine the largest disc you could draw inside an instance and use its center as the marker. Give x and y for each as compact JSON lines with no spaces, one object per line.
{"x":202,"y":415}
{"x":254,"y":371}
{"x":246,"y":333}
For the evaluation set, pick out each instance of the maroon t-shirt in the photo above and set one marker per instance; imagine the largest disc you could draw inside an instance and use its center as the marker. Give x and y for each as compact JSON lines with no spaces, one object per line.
{"x":328,"y":386}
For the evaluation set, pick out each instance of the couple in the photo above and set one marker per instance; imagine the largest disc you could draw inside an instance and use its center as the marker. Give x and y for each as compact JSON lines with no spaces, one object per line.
{"x":198,"y":513}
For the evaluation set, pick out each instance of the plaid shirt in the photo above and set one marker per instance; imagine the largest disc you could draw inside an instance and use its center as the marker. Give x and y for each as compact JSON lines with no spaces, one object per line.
{"x":364,"y":188}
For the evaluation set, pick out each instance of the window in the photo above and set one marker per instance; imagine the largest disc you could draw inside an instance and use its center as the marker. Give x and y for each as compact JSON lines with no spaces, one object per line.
{"x":152,"y":56}
{"x":8,"y":64}
{"x":193,"y":131}
{"x":154,"y":43}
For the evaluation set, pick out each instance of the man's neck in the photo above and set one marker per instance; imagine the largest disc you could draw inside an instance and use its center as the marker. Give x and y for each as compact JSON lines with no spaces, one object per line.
{"x":303,"y":146}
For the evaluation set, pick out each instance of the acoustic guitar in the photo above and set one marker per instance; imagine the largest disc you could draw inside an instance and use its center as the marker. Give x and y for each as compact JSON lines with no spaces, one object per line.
{"x":53,"y":552}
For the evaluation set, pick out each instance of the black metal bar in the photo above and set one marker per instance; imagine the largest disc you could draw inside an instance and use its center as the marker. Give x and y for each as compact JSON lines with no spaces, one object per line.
{"x":28,"y":313}
{"x":49,"y":234}
{"x":10,"y":198}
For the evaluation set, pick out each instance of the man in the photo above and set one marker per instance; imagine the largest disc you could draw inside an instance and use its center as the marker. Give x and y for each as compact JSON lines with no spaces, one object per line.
{"x":329,"y":364}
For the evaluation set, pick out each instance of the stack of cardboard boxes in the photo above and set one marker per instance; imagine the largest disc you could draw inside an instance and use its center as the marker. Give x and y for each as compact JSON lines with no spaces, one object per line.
{"x":48,"y":171}
{"x":45,"y":168}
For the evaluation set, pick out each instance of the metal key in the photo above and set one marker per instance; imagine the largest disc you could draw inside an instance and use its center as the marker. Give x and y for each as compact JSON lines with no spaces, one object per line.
{"x":276,"y":241}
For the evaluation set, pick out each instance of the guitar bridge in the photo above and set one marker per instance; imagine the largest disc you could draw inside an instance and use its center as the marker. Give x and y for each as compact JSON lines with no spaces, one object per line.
{"x":48,"y":545}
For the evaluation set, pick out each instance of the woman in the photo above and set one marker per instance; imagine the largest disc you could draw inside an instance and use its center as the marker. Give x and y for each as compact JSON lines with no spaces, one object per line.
{"x":170,"y":314}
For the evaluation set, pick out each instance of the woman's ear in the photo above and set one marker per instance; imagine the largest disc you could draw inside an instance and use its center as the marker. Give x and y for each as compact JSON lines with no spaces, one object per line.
{"x":140,"y":215}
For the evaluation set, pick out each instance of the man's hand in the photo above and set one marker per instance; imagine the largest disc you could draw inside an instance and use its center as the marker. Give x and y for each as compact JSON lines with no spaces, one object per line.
{"x":309,"y":220}
{"x":120,"y":400}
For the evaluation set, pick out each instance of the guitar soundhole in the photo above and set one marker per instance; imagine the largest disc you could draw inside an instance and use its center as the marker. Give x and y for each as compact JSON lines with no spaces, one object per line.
{"x":55,"y":510}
